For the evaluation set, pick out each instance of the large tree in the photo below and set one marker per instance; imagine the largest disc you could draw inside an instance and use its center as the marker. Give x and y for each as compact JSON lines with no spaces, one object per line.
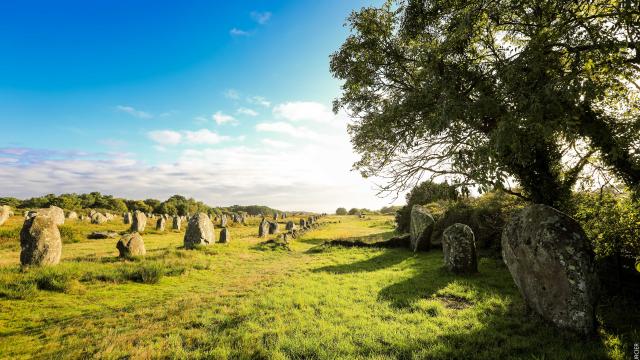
{"x":485,"y":91}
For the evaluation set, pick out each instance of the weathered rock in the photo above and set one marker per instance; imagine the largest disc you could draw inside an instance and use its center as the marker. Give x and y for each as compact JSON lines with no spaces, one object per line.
{"x":131,"y":245}
{"x":139,"y":222}
{"x":459,"y":248}
{"x":200,"y":231}
{"x":223,"y":220}
{"x":551,"y":262}
{"x":303,"y":224}
{"x":72,"y":215}
{"x":127,"y":219}
{"x":160,"y":223}
{"x":109,"y":216}
{"x":263,"y":228}
{"x":96,"y":235}
{"x":273,"y":228}
{"x":421,"y":228}
{"x":40,"y":241}
{"x":225,"y":236}
{"x":54,"y":212}
{"x":98,"y":218}
{"x":290,"y":225}
{"x":177,"y":222}
{"x":5,"y":213}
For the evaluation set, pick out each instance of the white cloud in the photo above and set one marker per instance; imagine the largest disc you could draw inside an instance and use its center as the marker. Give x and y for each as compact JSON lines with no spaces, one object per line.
{"x":298,"y":111}
{"x":239,"y":32}
{"x":133,"y":112}
{"x":203,"y":136}
{"x":221,"y":118}
{"x":261,"y":17}
{"x":232,"y":94}
{"x":259,"y":100}
{"x":248,"y":112}
{"x":165,"y":137}
{"x":287,"y":129}
{"x":276,"y":143}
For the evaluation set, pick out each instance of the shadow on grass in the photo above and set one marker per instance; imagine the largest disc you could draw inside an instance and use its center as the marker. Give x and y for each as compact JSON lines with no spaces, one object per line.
{"x":382,"y":261}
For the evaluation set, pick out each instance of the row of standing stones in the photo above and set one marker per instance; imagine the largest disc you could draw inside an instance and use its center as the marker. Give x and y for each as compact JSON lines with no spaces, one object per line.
{"x":547,"y":253}
{"x":41,"y":242}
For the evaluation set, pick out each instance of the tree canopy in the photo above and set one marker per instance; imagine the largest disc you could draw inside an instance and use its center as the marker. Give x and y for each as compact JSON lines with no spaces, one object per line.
{"x":487,"y":92}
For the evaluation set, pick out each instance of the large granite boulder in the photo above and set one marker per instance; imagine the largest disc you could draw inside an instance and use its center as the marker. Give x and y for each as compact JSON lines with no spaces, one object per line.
{"x":40,"y":241}
{"x":176,"y":224}
{"x":98,"y":218}
{"x":5,"y":213}
{"x":131,"y":245}
{"x":97,"y":235}
{"x":551,"y":262}
{"x":53,"y":212}
{"x":421,"y":228}
{"x":200,"y":231}
{"x":273,"y":227}
{"x":139,"y":222}
{"x":263,"y":228}
{"x":459,"y":247}
{"x":160,"y":223}
{"x":225,"y":236}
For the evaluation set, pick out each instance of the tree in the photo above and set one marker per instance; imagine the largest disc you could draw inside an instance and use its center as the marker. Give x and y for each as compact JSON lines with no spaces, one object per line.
{"x":341,"y":211}
{"x":354,"y":211}
{"x":484,"y":92}
{"x":424,"y":193}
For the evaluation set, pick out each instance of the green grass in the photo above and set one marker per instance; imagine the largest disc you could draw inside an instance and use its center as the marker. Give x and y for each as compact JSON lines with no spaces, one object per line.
{"x":251,"y":299}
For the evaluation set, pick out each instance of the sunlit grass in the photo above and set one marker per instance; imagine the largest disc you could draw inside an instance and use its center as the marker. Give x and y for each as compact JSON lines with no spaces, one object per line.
{"x":245,"y":300}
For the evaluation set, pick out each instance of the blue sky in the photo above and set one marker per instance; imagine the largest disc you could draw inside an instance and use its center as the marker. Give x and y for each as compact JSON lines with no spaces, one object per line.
{"x":228,"y":102}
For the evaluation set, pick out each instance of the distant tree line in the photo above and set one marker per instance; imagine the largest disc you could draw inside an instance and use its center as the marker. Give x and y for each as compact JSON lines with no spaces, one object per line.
{"x":175,"y":205}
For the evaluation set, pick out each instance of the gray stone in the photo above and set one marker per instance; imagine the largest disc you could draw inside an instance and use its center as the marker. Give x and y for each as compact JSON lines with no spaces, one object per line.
{"x":225,"y":236}
{"x":127,"y":219}
{"x":96,"y":235}
{"x":273,"y":228}
{"x":55,"y":213}
{"x":459,"y":248}
{"x":263,"y":228}
{"x":551,"y":262}
{"x":200,"y":231}
{"x":5,"y":213}
{"x":303,"y":224}
{"x":160,"y":223}
{"x":421,"y":228}
{"x":177,"y":223}
{"x":223,"y":220}
{"x":98,"y":218}
{"x":40,"y":241}
{"x":72,"y":215}
{"x":290,"y":225}
{"x":139,"y":222}
{"x":131,"y":245}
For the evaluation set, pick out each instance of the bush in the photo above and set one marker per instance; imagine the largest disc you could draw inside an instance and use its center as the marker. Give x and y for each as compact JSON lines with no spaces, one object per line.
{"x":341,"y":211}
{"x":425,"y":193}
{"x":69,"y":235}
{"x":147,"y":273}
{"x":52,"y":279}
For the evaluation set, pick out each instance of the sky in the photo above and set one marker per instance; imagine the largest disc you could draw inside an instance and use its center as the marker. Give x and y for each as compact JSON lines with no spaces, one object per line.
{"x":228,"y":102}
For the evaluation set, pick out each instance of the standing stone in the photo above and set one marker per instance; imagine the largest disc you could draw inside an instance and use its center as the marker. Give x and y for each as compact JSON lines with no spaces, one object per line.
{"x":160,"y":223}
{"x":273,"y":228}
{"x":127,"y":218}
{"x":98,"y":218}
{"x":109,"y":216}
{"x":289,"y":225}
{"x":200,"y":231}
{"x":72,"y":215}
{"x":55,"y":213}
{"x":421,"y":228}
{"x":223,"y":220}
{"x":177,"y":221}
{"x":225,"y":237}
{"x":263,"y":228}
{"x":131,"y":245}
{"x":5,"y":213}
{"x":303,"y":224}
{"x":40,"y":241}
{"x":243,"y":219}
{"x":139,"y":222}
{"x":551,"y":262}
{"x":459,"y":247}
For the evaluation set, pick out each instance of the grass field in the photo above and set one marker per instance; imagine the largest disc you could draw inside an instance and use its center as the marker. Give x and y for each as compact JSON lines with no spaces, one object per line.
{"x":250,"y":300}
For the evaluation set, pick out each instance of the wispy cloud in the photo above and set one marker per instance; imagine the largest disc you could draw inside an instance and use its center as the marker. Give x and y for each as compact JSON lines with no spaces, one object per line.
{"x":276,"y":143}
{"x":300,"y":111}
{"x":221,"y":118}
{"x":165,"y":137}
{"x":259,"y":100}
{"x":261,"y":17}
{"x":134,"y":112}
{"x":186,"y":137}
{"x":232,"y":94}
{"x":287,"y":129}
{"x":239,"y":32}
{"x":204,"y":136}
{"x":248,"y":112}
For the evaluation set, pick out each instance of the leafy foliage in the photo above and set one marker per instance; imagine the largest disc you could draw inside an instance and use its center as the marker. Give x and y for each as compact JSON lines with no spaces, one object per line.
{"x":341,"y":211}
{"x":424,"y":193}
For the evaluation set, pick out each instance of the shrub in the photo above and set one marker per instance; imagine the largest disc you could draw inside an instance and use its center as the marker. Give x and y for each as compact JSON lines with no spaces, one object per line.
{"x":341,"y":211}
{"x":52,"y":279}
{"x":147,"y":273}
{"x":69,"y":235}
{"x":425,"y":193}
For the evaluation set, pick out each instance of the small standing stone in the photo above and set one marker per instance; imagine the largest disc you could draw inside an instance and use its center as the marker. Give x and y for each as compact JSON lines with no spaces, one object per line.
{"x":225,"y":237}
{"x":139,"y":222}
{"x":131,"y":245}
{"x":177,"y":222}
{"x":263,"y":228}
{"x":160,"y":223}
{"x":459,"y":248}
{"x":273,"y":228}
{"x":200,"y":231}
{"x":40,"y":241}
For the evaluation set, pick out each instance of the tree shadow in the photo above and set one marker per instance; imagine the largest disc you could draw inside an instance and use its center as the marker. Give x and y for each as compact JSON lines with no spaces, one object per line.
{"x":384,"y":260}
